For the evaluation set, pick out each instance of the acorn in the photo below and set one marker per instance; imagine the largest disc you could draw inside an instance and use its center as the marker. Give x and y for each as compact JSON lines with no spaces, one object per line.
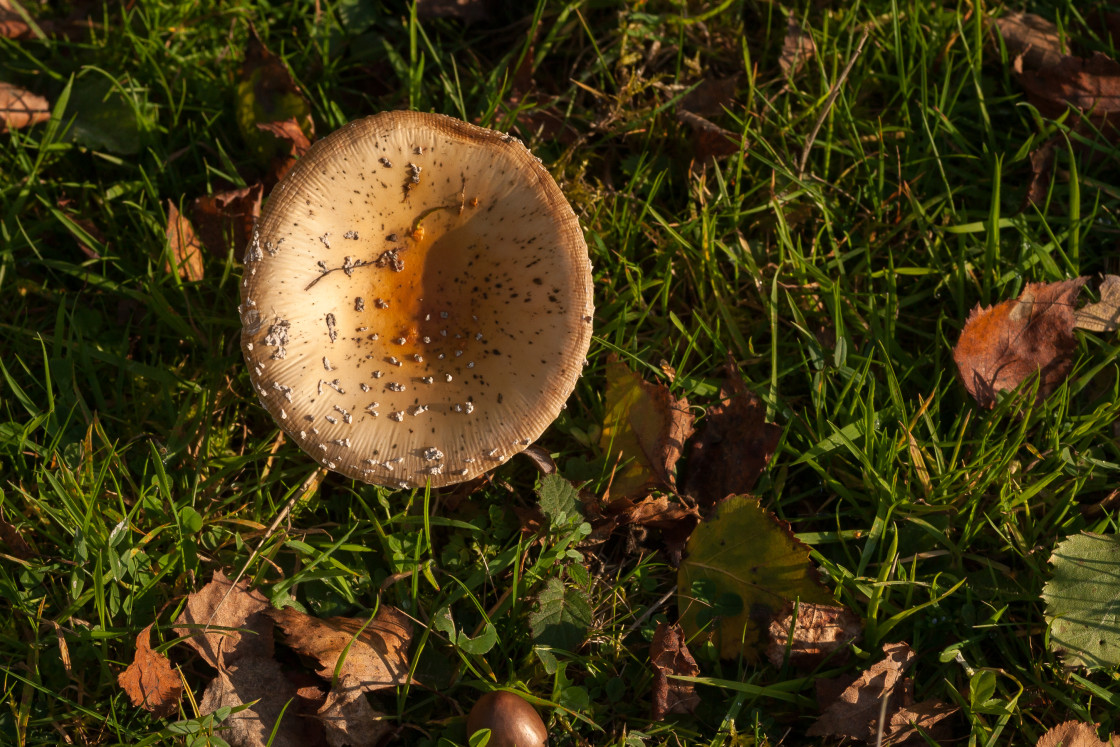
{"x":511,"y":720}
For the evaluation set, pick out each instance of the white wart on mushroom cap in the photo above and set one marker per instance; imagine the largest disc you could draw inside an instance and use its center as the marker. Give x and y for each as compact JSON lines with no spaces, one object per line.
{"x":416,"y":302}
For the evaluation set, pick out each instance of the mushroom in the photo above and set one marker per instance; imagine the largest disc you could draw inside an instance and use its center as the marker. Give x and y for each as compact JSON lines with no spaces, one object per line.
{"x":511,"y":720}
{"x":416,"y":304}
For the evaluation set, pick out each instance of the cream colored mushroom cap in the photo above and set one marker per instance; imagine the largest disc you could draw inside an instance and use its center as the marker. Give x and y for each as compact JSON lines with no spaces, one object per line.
{"x":416,"y":304}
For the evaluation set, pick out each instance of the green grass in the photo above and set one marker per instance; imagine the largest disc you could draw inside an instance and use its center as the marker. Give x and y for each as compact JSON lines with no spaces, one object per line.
{"x":135,"y":458}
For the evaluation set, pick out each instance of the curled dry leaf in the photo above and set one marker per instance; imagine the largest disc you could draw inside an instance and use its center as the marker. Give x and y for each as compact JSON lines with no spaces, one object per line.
{"x":1104,"y":315}
{"x":225,"y":623}
{"x":149,"y":681}
{"x":254,"y":678}
{"x":645,"y":428}
{"x":20,"y":108}
{"x":1001,"y":346}
{"x":670,"y":655}
{"x":1075,"y":734}
{"x":226,"y":218}
{"x":810,"y":633}
{"x":374,"y":652}
{"x":734,"y":444}
{"x":184,"y":245}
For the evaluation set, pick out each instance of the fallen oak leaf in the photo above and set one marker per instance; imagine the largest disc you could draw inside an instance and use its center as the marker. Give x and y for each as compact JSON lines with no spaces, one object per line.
{"x":1002,"y":346}
{"x":1104,"y":315}
{"x":809,"y":633}
{"x":669,"y":655}
{"x":149,"y":681}
{"x":644,"y":427}
{"x":373,"y":653}
{"x":1090,"y":85}
{"x":1075,"y":734}
{"x":225,"y":624}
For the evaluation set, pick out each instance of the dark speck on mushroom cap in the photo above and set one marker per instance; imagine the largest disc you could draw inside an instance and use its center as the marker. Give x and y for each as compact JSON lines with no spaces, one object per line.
{"x":416,"y":303}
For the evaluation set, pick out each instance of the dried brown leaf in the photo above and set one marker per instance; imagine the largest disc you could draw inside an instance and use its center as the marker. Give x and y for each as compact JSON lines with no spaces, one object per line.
{"x":709,"y":140}
{"x":12,"y":25}
{"x":1032,"y":40}
{"x":227,"y":217}
{"x":254,"y":678}
{"x":374,"y":653}
{"x":733,"y":446}
{"x":670,"y":656}
{"x":20,"y":108}
{"x":224,"y":629}
{"x":931,"y":717}
{"x":1104,"y":315}
{"x":1090,"y":85}
{"x":797,"y":49}
{"x":645,"y":427}
{"x":1075,"y":734}
{"x":818,"y":631}
{"x":349,"y":719}
{"x":292,"y":145}
{"x":1003,"y":345}
{"x":856,"y":713}
{"x":184,"y":244}
{"x":468,"y":11}
{"x":14,"y":542}
{"x":711,"y":96}
{"x":149,"y":681}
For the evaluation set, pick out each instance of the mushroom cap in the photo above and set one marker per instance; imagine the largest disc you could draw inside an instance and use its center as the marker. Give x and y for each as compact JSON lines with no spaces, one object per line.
{"x":511,"y":720}
{"x":416,"y":304}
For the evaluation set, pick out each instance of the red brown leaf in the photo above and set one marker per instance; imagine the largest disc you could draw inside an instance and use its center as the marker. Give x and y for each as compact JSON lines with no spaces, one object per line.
{"x":1002,"y":346}
{"x":20,"y":108}
{"x":292,"y":143}
{"x":12,"y":25}
{"x":374,"y":653}
{"x":184,"y":245}
{"x":149,"y":681}
{"x":733,"y":446}
{"x":225,"y":623}
{"x":818,"y":631}
{"x":670,"y":656}
{"x":227,"y":218}
{"x":1090,"y":85}
{"x":709,"y":140}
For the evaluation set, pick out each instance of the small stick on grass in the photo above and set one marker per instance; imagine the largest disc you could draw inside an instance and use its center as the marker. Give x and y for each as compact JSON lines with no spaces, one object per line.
{"x":832,"y":95}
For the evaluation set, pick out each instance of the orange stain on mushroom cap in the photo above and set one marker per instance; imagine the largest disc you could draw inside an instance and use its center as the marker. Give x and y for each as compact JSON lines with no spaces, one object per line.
{"x":401,"y":331}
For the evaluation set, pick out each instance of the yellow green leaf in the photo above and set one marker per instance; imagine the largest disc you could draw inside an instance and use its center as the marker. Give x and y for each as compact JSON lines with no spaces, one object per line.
{"x":743,"y":564}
